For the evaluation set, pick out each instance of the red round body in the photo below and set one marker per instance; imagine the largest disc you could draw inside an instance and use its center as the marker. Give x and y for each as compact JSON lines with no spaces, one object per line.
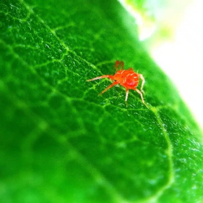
{"x":127,"y":78}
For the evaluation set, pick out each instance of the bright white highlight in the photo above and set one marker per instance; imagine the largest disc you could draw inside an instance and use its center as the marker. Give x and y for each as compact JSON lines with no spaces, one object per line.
{"x":182,"y":59}
{"x":145,"y":26}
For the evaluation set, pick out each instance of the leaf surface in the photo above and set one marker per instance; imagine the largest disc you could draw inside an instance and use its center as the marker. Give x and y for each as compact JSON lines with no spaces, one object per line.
{"x":60,"y":141}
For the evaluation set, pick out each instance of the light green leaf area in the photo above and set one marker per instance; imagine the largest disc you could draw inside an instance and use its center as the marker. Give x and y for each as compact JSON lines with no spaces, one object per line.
{"x":60,"y":141}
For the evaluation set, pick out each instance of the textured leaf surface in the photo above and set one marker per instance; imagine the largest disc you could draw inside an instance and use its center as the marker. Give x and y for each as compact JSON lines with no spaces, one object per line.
{"x":60,"y":142}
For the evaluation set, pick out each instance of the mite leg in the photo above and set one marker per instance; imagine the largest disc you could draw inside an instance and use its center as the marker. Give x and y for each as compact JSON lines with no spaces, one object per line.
{"x":126,"y":97}
{"x":100,"y":77}
{"x":116,"y":65}
{"x":140,"y":93}
{"x":143,"y":81}
{"x":110,"y":86}
{"x":122,"y":64}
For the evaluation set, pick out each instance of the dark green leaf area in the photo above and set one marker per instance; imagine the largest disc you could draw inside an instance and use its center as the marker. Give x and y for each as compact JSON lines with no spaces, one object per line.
{"x":188,"y":153}
{"x":60,"y":141}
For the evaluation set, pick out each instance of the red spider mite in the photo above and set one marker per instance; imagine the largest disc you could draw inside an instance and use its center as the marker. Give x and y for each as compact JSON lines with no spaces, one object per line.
{"x":126,"y":78}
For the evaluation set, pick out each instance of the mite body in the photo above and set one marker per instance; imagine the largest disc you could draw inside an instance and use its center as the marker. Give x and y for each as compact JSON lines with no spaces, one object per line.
{"x":126,"y":78}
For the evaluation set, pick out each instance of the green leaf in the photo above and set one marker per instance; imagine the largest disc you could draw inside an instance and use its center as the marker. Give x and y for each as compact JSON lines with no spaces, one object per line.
{"x":60,"y":141}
